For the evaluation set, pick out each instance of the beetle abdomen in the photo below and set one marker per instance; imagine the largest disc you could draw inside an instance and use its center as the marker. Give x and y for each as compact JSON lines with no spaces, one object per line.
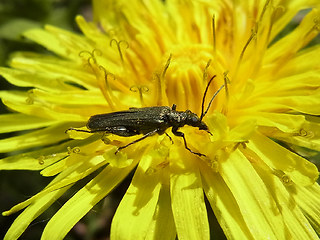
{"x":139,"y":120}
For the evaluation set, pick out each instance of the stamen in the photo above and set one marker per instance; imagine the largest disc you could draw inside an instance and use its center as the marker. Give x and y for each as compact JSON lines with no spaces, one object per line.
{"x":96,"y":52}
{"x":242,"y":144}
{"x":226,"y":82}
{"x":214,"y":37}
{"x":73,"y":150}
{"x":118,"y":45}
{"x":152,"y":170}
{"x":302,"y":133}
{"x":82,"y":53}
{"x":315,"y":28}
{"x":41,"y":160}
{"x":105,"y":87}
{"x":285,"y":179}
{"x":101,"y":75}
{"x":161,"y":96}
{"x":106,"y":77}
{"x":252,"y":36}
{"x":30,"y":98}
{"x":141,"y":90}
{"x":105,"y":139}
{"x":264,"y":10}
{"x":205,"y":71}
{"x":213,"y":163}
{"x":316,"y":21}
{"x":166,"y":67}
{"x":305,"y":133}
{"x":91,"y":60}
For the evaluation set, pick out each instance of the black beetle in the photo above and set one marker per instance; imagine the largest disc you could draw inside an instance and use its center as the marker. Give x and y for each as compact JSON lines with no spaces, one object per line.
{"x":149,"y":121}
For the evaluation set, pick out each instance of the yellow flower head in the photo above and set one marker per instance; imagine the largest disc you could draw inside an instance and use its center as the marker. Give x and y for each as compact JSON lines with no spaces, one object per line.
{"x":143,"y":53}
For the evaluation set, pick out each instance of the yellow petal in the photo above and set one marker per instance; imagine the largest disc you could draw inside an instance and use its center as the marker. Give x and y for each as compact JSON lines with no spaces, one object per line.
{"x":64,"y":70}
{"x":61,"y":42}
{"x":39,"y":80}
{"x":162,"y":224}
{"x":308,"y":199}
{"x":253,"y":198}
{"x":39,"y":159}
{"x":289,"y":83}
{"x":285,"y":11}
{"x":26,"y":103}
{"x":49,"y":135}
{"x":82,"y":98}
{"x":303,"y":64}
{"x":308,"y":136}
{"x":119,"y":161}
{"x":217,"y":123}
{"x":188,"y":206}
{"x":302,"y":104}
{"x":284,"y":122}
{"x":36,"y":160}
{"x":32,"y":212}
{"x":297,"y":168}
{"x":224,"y":205}
{"x":294,"y":218}
{"x":18,"y":122}
{"x":68,"y":177}
{"x":137,"y":208}
{"x":293,"y":41}
{"x":54,"y":112}
{"x":282,"y":195}
{"x":91,"y":31}
{"x":75,"y":208}
{"x":83,"y":164}
{"x":241,"y":132}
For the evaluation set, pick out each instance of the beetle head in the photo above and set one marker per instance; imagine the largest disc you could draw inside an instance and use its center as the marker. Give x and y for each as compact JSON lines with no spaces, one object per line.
{"x":193,"y":120}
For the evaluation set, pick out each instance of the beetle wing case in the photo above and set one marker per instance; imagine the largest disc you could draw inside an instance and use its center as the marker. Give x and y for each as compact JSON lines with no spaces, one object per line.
{"x":139,"y":120}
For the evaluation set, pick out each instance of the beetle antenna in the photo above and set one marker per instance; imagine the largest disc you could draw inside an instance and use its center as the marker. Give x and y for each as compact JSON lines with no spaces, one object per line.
{"x":213,"y":97}
{"x":204,"y":96}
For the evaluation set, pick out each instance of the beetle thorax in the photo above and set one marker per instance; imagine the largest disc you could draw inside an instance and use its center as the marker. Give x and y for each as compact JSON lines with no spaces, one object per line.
{"x":177,"y":118}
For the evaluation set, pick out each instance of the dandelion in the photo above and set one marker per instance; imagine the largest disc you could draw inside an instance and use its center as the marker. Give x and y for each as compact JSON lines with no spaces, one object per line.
{"x":155,"y":53}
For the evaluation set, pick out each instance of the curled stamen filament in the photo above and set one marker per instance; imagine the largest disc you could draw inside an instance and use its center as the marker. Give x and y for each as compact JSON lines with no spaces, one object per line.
{"x":118,"y":46}
{"x":141,"y":90}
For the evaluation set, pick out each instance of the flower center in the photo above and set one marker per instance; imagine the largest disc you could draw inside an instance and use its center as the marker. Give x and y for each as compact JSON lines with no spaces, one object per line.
{"x":186,"y":75}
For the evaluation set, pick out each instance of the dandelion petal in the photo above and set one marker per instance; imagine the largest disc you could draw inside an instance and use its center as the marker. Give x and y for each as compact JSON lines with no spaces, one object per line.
{"x":253,"y":198}
{"x":162,"y":224}
{"x":73,"y":210}
{"x":188,"y":206}
{"x":32,"y":212}
{"x":224,"y":206}
{"x":135,"y":212}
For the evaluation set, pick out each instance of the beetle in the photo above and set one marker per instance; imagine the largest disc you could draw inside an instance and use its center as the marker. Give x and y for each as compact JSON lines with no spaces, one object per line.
{"x":149,"y":121}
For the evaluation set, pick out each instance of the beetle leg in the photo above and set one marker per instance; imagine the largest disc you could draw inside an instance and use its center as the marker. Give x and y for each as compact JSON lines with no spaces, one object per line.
{"x":79,"y":130}
{"x":138,"y":140}
{"x":169,"y":137}
{"x":181,"y":134}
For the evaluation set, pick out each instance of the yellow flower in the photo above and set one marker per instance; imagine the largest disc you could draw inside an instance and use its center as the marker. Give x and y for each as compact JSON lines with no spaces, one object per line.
{"x":153,"y":53}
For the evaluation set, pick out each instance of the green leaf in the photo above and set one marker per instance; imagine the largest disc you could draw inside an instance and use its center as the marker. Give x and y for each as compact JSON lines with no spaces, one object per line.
{"x":13,"y":29}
